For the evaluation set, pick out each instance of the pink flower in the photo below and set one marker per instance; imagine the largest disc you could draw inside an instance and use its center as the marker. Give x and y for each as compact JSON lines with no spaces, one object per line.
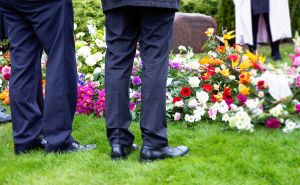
{"x":5,"y":70}
{"x":296,"y":61}
{"x":132,"y":106}
{"x":273,"y":123}
{"x":212,"y":112}
{"x":242,"y":99}
{"x":297,"y":108}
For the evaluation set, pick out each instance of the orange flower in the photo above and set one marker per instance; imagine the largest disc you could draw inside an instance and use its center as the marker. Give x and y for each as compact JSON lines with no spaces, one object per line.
{"x":244,"y":90}
{"x":6,"y":101}
{"x":4,"y":94}
{"x":219,"y":97}
{"x":220,"y":49}
{"x":245,"y":78}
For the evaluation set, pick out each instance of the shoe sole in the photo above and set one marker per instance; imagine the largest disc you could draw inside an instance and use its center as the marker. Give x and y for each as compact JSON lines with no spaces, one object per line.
{"x":142,"y":160}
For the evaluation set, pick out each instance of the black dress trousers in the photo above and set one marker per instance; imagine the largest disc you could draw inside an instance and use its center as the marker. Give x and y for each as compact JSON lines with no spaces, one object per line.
{"x":152,"y":27}
{"x":34,"y":26}
{"x":3,"y":33}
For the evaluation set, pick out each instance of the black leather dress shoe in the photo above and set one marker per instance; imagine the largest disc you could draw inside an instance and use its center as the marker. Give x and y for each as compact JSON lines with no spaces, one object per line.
{"x":151,"y":154}
{"x":73,"y":147}
{"x":39,"y":144}
{"x":120,"y":152}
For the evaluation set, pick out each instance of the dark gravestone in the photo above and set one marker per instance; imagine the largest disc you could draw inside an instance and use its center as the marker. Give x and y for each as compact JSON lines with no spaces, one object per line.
{"x":189,"y":30}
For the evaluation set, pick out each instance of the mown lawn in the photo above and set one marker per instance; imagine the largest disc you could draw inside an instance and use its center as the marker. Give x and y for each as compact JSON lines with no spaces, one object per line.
{"x":217,"y":156}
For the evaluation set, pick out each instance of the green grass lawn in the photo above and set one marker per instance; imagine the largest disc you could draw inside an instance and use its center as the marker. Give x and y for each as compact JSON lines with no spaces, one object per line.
{"x":217,"y":156}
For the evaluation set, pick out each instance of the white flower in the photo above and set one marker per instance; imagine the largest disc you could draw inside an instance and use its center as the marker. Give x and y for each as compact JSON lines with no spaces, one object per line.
{"x":232,"y":77}
{"x":92,"y":29}
{"x":216,"y":87}
{"x":217,"y":70}
{"x":233,"y":107}
{"x":194,"y":65}
{"x":75,"y":26}
{"x":91,"y":60}
{"x":223,"y":107}
{"x":261,"y":94}
{"x":182,"y":48}
{"x":241,"y":120}
{"x":179,"y":104}
{"x":169,"y":81}
{"x":99,"y":56}
{"x":1,"y":81}
{"x":177,"y":116}
{"x":289,"y":126}
{"x":223,"y":66}
{"x":202,"y":97}
{"x":97,"y":70}
{"x":100,"y":43}
{"x":277,"y":110}
{"x":89,"y":77}
{"x":194,"y":82}
{"x":80,"y":34}
{"x":225,"y":118}
{"x":190,"y":54}
{"x":193,"y":104}
{"x":200,"y":111}
{"x":189,"y":118}
{"x":84,"y":51}
{"x":197,"y":117}
{"x":252,"y":104}
{"x":213,"y":54}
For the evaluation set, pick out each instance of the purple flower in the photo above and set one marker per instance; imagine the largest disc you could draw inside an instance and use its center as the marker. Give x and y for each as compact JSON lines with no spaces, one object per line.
{"x":175,"y":64}
{"x":132,"y":106}
{"x":137,"y":53}
{"x":298,"y":108}
{"x":136,"y":81}
{"x":137,"y":95}
{"x":242,"y":99}
{"x":273,"y":123}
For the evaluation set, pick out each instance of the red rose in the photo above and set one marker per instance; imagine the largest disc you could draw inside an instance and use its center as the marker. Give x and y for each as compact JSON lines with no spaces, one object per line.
{"x":227,"y":96}
{"x":211,"y":70}
{"x":260,"y":85}
{"x":6,"y":76}
{"x":233,"y":57}
{"x":176,"y":99}
{"x":185,"y":92}
{"x":207,"y":87}
{"x":213,"y":99}
{"x":258,"y":67}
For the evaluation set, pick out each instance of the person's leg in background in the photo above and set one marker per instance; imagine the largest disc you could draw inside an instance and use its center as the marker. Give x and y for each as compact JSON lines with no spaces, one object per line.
{"x":274,"y":44}
{"x":122,"y":32}
{"x":255,"y":21}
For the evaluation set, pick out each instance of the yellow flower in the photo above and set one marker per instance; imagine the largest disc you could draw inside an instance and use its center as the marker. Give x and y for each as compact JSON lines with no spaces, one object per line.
{"x":205,"y":60}
{"x":209,"y":31}
{"x":262,"y":59}
{"x":245,"y":64}
{"x":219,"y":97}
{"x":225,"y":72}
{"x":228,"y":36}
{"x":251,"y":56}
{"x":234,"y":64}
{"x":244,"y":90}
{"x":4,"y":94}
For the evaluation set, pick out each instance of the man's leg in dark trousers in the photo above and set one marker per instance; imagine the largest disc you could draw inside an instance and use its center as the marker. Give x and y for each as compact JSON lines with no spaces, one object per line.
{"x":122,"y":32}
{"x":274,"y":44}
{"x":155,"y":41}
{"x":25,"y":84}
{"x":50,"y":23}
{"x":255,"y":22}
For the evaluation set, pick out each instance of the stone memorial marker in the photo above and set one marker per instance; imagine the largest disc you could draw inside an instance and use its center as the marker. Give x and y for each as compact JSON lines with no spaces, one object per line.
{"x":189,"y":30}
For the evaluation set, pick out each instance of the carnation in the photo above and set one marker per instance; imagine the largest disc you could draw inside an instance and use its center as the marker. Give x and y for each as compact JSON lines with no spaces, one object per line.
{"x":202,"y":97}
{"x":223,"y":107}
{"x":177,"y":116}
{"x":185,"y":92}
{"x":194,"y":65}
{"x":207,"y":88}
{"x":242,"y":99}
{"x":289,"y":126}
{"x":179,"y":104}
{"x":212,"y":112}
{"x":273,"y":123}
{"x":136,"y":81}
{"x":194,"y":82}
{"x":189,"y":118}
{"x":193,"y":103}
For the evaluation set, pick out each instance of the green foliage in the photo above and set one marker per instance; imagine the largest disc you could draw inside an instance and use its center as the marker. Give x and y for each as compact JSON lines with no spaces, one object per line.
{"x":226,"y":15}
{"x":207,"y":7}
{"x":295,"y":14}
{"x":88,"y":11}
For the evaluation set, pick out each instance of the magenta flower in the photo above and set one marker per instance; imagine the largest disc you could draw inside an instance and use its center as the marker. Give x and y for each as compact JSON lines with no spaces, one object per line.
{"x":175,"y":64}
{"x":242,"y":99}
{"x":273,"y":123}
{"x":132,"y":106}
{"x":136,"y":81}
{"x":297,"y":108}
{"x":297,"y":83}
